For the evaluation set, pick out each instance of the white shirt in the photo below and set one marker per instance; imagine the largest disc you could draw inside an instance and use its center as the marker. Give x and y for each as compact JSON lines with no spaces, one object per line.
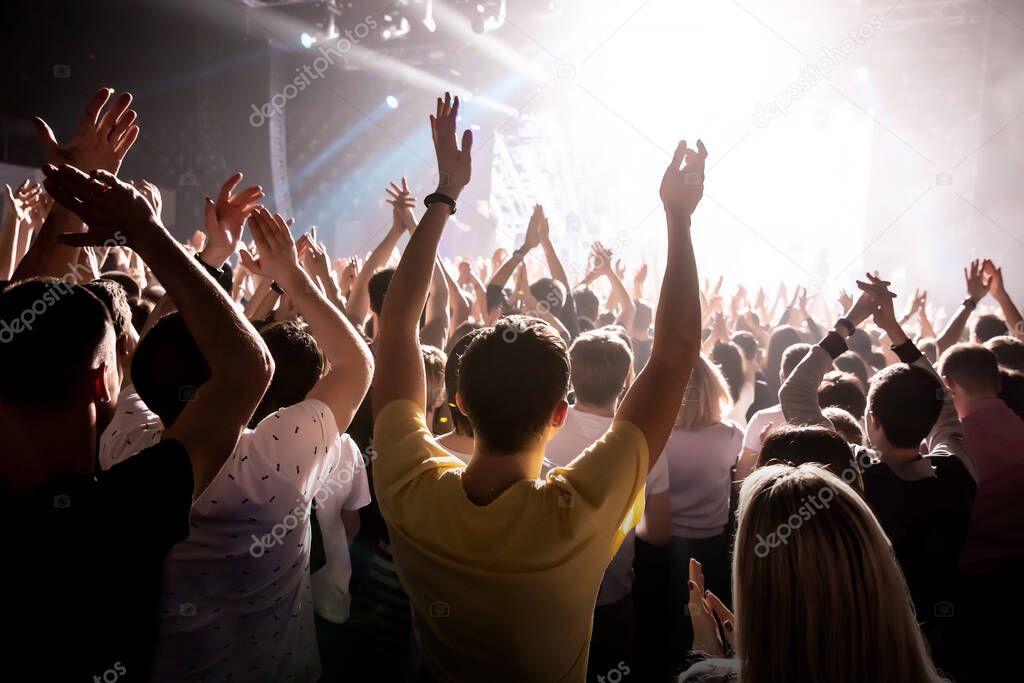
{"x":578,"y":432}
{"x":758,"y":421}
{"x":237,"y":598}
{"x":738,"y":414}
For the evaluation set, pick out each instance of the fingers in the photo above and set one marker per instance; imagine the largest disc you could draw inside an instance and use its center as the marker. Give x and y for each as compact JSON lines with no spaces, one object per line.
{"x":109,"y":119}
{"x":677,"y":156}
{"x":45,"y":133}
{"x":126,"y":141}
{"x":210,"y":214}
{"x":120,"y":128}
{"x":228,"y":187}
{"x":467,"y":141}
{"x":92,"y":109}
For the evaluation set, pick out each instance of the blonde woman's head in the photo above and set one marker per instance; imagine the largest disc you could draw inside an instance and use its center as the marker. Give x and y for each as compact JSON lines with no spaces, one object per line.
{"x":817,"y":591}
{"x":706,"y":399}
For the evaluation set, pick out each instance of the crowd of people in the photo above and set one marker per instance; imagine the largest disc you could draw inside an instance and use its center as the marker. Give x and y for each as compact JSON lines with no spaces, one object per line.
{"x":232,"y":460}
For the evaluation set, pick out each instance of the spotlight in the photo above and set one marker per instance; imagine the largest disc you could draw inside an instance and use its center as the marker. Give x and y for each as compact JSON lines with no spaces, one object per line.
{"x":307,"y":40}
{"x":391,"y":101}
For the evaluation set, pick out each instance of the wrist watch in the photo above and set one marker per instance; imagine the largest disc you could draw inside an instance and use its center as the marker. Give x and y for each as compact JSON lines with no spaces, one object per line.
{"x":435,"y":197}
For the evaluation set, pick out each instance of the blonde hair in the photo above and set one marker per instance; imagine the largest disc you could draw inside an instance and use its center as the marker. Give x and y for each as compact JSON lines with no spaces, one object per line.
{"x":817,"y":591}
{"x":706,"y":399}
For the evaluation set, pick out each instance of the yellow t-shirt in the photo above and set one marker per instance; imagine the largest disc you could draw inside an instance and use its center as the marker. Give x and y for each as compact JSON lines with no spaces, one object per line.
{"x":505,"y":591}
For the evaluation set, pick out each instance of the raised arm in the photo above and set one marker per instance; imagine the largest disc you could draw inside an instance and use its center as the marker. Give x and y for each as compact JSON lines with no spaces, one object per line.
{"x":567,"y":315}
{"x":652,"y":401}
{"x":358,"y":305}
{"x":240,"y":364}
{"x":435,"y":327}
{"x":997,"y":289}
{"x":401,"y":377}
{"x":977,"y":287}
{"x":342,"y":389}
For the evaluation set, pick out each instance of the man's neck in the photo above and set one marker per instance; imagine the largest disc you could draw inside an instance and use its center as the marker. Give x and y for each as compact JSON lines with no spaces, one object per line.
{"x":968,"y":403}
{"x":595,"y":409}
{"x":488,"y":475}
{"x":38,"y":450}
{"x":899,"y":456}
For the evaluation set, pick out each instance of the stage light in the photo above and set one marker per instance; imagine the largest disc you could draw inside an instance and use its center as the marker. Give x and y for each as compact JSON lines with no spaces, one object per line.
{"x":392,"y":101}
{"x":307,"y":40}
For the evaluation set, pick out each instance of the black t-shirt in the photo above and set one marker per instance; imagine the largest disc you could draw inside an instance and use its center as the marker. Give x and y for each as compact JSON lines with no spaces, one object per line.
{"x":927,"y":522}
{"x":84,"y":566}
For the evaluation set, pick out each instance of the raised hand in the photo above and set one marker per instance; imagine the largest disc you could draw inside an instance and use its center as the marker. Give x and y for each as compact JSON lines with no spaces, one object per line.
{"x":601,"y":258}
{"x":21,"y":203}
{"x":976,"y":281}
{"x":101,"y":141}
{"x":277,"y":256}
{"x":995,"y":278}
{"x":114,"y":211}
{"x":454,"y":165}
{"x":402,"y":203}
{"x":225,"y":218}
{"x":867,"y":302}
{"x":845,"y":300}
{"x":682,"y":188}
{"x":536,"y":228}
{"x":638,"y":281}
{"x":706,"y":612}
{"x":877,"y":290}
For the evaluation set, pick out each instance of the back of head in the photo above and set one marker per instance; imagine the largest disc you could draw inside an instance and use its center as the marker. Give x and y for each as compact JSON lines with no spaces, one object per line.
{"x":782,"y":338}
{"x":1009,"y":351}
{"x":459,"y":332}
{"x":794,"y":445}
{"x":600,"y":362}
{"x":971,"y":368}
{"x":378,"y":287}
{"x":747,"y":343}
{"x":586,"y":303}
{"x":113,"y":297}
{"x":791,"y":358}
{"x":988,"y":326}
{"x":298,"y":364}
{"x":854,"y":364}
{"x":512,"y":377}
{"x":131,"y":287}
{"x":860,"y":343}
{"x":706,"y":399}
{"x":906,"y":400}
{"x":549,"y":293}
{"x":729,"y":359}
{"x":434,"y":362}
{"x":460,"y":423}
{"x":644,"y":315}
{"x":804,"y":538}
{"x":51,"y":335}
{"x":843,"y":390}
{"x":168,"y":368}
{"x":1012,"y":390}
{"x":845,"y":424}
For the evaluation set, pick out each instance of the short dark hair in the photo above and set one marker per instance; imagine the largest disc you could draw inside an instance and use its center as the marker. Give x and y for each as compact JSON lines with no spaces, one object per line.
{"x":378,"y":287}
{"x":434,"y":361}
{"x":586,"y":302}
{"x":550,"y":293}
{"x":843,"y":390}
{"x":782,"y":338}
{"x":599,"y":363}
{"x":971,"y":366}
{"x":860,"y":343}
{"x":906,"y":400}
{"x":793,"y":445}
{"x":131,"y":287}
{"x":747,"y":343}
{"x":511,"y":379}
{"x":460,"y":423}
{"x":987,"y":326}
{"x":51,"y":334}
{"x":729,"y":359}
{"x":584,"y":324}
{"x":846,"y":424}
{"x":112,"y":295}
{"x":298,"y":365}
{"x":854,"y":364}
{"x":1009,"y":351}
{"x":792,"y":356}
{"x":459,"y":332}
{"x":168,"y":368}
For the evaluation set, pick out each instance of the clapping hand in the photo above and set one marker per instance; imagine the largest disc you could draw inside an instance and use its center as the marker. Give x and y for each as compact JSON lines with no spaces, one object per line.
{"x":976,"y":281}
{"x":278,"y":258}
{"x":682,"y":186}
{"x":101,"y":141}
{"x":225,"y":218}
{"x":707,"y":613}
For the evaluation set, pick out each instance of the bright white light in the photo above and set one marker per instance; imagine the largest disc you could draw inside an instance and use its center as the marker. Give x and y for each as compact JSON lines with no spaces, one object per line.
{"x":392,"y":101}
{"x":307,"y":40}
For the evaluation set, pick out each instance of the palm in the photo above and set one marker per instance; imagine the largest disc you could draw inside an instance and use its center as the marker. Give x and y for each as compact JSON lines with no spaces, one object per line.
{"x":683,"y":188}
{"x":101,"y":141}
{"x":454,"y":165}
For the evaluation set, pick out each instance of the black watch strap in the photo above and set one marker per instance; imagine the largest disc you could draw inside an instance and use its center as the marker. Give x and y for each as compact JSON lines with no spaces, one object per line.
{"x":222,"y":275}
{"x":435,"y":197}
{"x":970,"y":303}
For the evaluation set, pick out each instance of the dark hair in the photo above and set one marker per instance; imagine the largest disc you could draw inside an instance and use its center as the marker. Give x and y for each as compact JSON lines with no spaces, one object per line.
{"x":599,"y":363}
{"x":1009,"y":351}
{"x":131,"y":287}
{"x":855,"y":365}
{"x":460,"y":423}
{"x":797,"y":446}
{"x":971,"y":366}
{"x":51,"y":334}
{"x":549,"y":292}
{"x":729,"y":359}
{"x":298,"y":365}
{"x":141,"y":308}
{"x":586,"y":302}
{"x":168,"y":368}
{"x":459,"y":332}
{"x":1012,"y":392}
{"x":644,"y":315}
{"x":906,"y":400}
{"x":843,"y":390}
{"x":434,"y":361}
{"x":792,"y":356}
{"x":378,"y":287}
{"x":111,"y":294}
{"x":584,"y":324}
{"x":846,"y":424}
{"x":782,"y":338}
{"x":511,"y":379}
{"x":747,"y":343}
{"x":860,"y":343}
{"x":929,"y":348}
{"x":988,"y":326}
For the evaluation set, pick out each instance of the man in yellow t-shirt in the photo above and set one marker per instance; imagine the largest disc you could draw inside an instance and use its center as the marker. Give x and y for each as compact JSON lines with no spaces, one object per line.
{"x":502,"y":568}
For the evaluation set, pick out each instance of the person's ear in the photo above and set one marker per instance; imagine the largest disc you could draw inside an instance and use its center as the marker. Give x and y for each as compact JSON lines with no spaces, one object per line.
{"x":102,"y":381}
{"x":561,"y":411}
{"x":458,"y":404}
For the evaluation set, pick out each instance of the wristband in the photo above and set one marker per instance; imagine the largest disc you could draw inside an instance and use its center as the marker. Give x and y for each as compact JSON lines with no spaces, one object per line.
{"x":439,"y":197}
{"x":276,"y":287}
{"x":970,"y":303}
{"x":845,"y":322}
